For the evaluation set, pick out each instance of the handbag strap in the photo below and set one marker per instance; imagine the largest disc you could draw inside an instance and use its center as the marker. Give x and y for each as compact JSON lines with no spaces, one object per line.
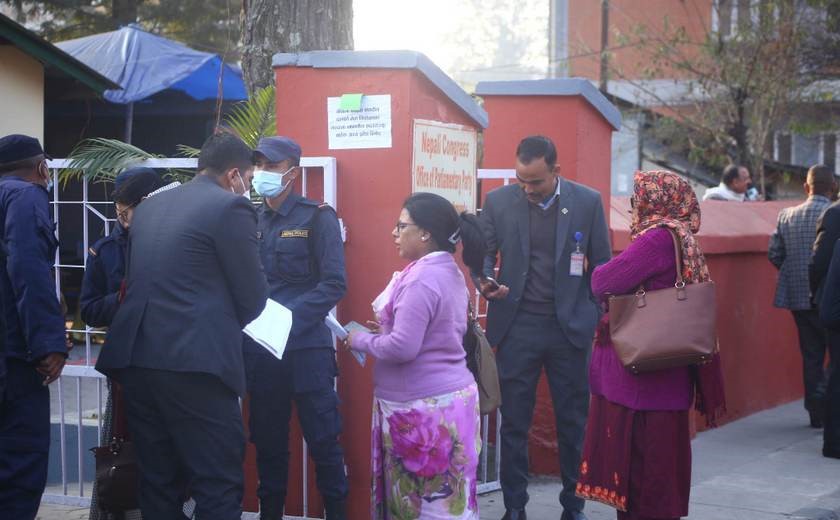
{"x":678,"y":258}
{"x":680,"y":283}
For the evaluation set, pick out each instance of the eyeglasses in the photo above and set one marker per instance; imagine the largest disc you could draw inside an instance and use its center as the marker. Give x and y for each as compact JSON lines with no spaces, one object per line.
{"x":402,"y":225}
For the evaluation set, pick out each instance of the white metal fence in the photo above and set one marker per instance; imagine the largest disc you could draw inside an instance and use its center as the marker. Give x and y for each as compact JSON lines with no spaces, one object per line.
{"x":79,"y":395}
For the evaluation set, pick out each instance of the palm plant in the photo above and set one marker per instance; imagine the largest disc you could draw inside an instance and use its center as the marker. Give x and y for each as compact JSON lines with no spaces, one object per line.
{"x":100,"y":159}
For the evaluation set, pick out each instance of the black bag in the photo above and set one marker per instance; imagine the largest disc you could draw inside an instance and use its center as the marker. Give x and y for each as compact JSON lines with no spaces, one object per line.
{"x":481,"y":361}
{"x":116,"y":476}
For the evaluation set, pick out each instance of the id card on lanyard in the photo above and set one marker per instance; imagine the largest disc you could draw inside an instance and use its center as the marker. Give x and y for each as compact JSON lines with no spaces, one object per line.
{"x":577,"y":260}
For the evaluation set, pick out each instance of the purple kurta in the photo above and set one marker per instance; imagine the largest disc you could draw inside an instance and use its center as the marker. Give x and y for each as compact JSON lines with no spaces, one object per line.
{"x":648,"y":261}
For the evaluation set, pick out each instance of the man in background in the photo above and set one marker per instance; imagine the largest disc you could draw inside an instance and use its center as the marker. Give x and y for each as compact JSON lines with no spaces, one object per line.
{"x":790,"y":251}
{"x":733,"y":186}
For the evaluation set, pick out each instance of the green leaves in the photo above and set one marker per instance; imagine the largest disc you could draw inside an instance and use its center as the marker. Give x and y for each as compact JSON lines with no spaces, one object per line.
{"x":254,"y":118}
{"x":101,"y":159}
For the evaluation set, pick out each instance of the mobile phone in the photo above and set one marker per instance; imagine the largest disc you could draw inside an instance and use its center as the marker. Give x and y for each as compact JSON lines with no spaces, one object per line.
{"x":494,"y":285}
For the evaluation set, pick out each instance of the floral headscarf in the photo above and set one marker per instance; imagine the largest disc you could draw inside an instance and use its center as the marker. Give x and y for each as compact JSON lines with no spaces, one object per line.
{"x":663,"y":199}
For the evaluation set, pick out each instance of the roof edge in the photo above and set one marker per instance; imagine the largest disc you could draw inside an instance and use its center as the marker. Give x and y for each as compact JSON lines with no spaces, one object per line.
{"x":388,"y":60}
{"x":46,"y":52}
{"x":554,"y":87}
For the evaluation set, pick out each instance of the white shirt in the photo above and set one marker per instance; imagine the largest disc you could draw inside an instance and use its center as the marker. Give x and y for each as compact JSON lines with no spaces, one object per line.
{"x":722,"y":192}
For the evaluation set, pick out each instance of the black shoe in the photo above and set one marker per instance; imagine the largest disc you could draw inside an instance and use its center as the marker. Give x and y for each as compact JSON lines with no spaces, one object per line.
{"x":816,"y":417}
{"x":568,"y":514}
{"x":335,"y":509}
{"x":515,"y":514}
{"x":832,"y":453}
{"x":271,"y":510}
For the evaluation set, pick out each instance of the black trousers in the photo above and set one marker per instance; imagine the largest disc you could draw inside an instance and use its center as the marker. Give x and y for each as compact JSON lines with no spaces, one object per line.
{"x":185,"y":425}
{"x":831,"y":433}
{"x":535,"y":343}
{"x":24,"y":441}
{"x":813,"y":343}
{"x":306,"y":378}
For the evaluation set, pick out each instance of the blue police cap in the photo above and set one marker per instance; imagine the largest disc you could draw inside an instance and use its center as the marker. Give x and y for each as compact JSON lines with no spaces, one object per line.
{"x":277,"y":149}
{"x":16,"y":147}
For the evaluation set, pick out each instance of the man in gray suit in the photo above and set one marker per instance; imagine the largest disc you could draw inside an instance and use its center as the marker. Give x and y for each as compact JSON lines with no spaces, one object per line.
{"x":193,"y":281}
{"x":550,"y":233}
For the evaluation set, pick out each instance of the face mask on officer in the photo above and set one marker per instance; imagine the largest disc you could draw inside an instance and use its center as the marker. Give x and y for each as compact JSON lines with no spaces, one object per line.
{"x":42,"y":168}
{"x":270,"y":184}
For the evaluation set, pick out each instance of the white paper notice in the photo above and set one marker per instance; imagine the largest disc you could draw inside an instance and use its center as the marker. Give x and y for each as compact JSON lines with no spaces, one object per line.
{"x":271,"y":328}
{"x":369,"y":127}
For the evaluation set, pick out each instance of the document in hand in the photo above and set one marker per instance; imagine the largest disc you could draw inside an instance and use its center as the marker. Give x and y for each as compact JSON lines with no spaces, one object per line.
{"x":342,"y":333}
{"x":271,"y":328}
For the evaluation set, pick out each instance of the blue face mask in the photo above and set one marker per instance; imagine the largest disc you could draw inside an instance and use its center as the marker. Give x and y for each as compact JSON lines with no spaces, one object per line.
{"x":270,"y":184}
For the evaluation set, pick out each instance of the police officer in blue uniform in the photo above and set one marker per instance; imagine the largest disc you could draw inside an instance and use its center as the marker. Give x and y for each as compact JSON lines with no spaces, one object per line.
{"x":105,"y":268}
{"x":303,"y":257}
{"x":36,"y":348}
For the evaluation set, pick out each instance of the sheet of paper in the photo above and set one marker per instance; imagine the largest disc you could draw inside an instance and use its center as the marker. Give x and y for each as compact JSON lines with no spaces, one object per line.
{"x":365,"y":126}
{"x":335,"y":327}
{"x":361,"y":357}
{"x":271,"y":328}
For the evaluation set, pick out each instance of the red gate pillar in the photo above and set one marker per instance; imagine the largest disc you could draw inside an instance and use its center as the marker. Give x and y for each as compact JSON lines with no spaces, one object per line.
{"x":580,"y":121}
{"x":571,"y":112}
{"x":372,"y":184}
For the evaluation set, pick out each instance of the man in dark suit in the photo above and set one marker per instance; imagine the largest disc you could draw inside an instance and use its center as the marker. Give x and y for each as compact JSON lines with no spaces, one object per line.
{"x":550,"y":233}
{"x":822,"y":282}
{"x":193,"y":281}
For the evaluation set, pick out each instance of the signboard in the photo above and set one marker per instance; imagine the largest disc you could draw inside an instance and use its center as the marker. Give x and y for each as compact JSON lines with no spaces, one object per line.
{"x":359,"y":125}
{"x":444,"y":162}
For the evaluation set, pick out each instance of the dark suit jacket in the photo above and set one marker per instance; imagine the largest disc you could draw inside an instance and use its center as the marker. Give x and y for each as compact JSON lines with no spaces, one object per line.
{"x":828,"y":231}
{"x":829,"y":303}
{"x":194,"y":280}
{"x":506,"y":219}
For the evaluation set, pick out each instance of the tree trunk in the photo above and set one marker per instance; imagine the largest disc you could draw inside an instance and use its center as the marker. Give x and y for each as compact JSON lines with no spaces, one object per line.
{"x":272,"y":26}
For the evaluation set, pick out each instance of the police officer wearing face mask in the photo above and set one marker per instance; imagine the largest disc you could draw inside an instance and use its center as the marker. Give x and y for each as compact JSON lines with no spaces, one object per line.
{"x":303,"y":258}
{"x":34,"y":340}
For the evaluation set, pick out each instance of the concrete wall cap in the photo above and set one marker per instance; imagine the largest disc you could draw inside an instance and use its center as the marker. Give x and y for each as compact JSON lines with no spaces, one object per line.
{"x":554,"y":87}
{"x":388,"y":60}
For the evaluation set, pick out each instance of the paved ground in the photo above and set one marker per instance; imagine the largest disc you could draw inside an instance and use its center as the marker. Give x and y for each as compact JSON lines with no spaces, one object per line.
{"x":765,"y":467}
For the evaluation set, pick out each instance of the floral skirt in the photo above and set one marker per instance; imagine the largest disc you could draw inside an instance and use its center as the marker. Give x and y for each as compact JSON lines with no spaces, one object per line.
{"x":425,"y":457}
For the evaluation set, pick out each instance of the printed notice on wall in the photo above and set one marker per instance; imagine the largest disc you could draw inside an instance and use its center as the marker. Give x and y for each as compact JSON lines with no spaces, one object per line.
{"x":368,"y":127}
{"x":444,"y":162}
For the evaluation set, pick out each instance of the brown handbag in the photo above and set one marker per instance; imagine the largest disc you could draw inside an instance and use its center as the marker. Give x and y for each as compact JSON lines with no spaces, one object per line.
{"x":481,"y":361}
{"x":665,"y":328}
{"x":117,"y":475}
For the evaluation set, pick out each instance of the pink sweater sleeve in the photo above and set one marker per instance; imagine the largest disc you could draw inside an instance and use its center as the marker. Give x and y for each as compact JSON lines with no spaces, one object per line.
{"x":413,"y":310}
{"x":649,"y":255}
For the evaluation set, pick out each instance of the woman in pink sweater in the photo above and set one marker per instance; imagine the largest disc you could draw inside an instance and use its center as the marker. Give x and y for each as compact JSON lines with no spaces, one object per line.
{"x":425,"y":438}
{"x":637,"y":451}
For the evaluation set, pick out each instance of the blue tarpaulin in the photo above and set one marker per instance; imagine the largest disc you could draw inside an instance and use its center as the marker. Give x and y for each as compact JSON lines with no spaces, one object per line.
{"x":145,"y":64}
